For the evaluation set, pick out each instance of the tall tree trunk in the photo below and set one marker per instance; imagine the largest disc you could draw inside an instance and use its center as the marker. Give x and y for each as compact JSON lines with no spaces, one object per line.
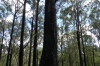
{"x":31,"y":37}
{"x":22,"y":35}
{"x":2,"y":43}
{"x":62,"y":62}
{"x":83,"y":49}
{"x":35,"y":38}
{"x":11,"y":36}
{"x":49,"y":54}
{"x":69,"y":54}
{"x":62,"y":45}
{"x":98,"y":37}
{"x":78,"y":34}
{"x":10,"y":59}
{"x":87,"y":58}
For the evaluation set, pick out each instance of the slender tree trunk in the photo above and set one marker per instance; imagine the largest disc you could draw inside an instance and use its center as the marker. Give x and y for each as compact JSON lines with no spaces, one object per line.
{"x":62,"y":62}
{"x":11,"y":36}
{"x":10,"y":60}
{"x":49,"y":53}
{"x":31,"y":37}
{"x":35,"y":38}
{"x":93,"y":56}
{"x":2,"y":43}
{"x":69,"y":55}
{"x":78,"y":35}
{"x":29,"y":61}
{"x":83,"y":49}
{"x":62,"y":46}
{"x":87,"y":58}
{"x":22,"y":35}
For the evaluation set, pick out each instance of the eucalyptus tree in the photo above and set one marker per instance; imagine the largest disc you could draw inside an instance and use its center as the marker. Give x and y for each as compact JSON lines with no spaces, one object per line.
{"x":1,"y":45}
{"x":35,"y":37}
{"x":3,"y":23}
{"x":31,"y":37}
{"x":77,"y":15}
{"x":9,"y":55}
{"x":49,"y":54}
{"x":22,"y":35}
{"x":6,"y":11}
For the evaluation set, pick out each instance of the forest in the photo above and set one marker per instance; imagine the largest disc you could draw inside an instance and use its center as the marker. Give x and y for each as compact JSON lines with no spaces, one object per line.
{"x":49,"y":33}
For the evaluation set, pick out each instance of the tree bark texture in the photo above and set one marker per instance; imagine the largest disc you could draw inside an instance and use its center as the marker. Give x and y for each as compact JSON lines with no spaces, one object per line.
{"x":49,"y":54}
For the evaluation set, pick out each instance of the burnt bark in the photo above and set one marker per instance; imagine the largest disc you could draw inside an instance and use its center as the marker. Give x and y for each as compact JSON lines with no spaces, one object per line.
{"x":49,"y":54}
{"x":22,"y":35}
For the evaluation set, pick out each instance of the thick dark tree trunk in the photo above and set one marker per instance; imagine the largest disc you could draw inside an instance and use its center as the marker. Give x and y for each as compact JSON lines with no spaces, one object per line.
{"x":11,"y":36}
{"x":49,"y":54}
{"x":22,"y":35}
{"x":78,"y":34}
{"x":35,"y":38}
